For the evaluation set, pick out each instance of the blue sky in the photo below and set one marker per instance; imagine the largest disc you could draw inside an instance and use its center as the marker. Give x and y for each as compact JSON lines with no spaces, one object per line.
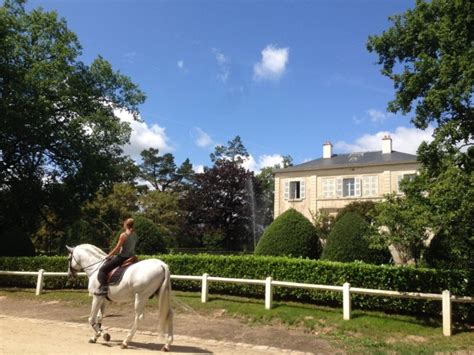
{"x":284,"y":75}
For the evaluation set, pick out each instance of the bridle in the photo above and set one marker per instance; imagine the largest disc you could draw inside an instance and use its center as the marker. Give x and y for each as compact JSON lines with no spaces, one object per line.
{"x":74,"y":271}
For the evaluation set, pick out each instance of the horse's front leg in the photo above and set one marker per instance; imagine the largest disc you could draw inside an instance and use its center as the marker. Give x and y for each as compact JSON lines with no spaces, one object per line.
{"x":97,"y":303}
{"x":139,"y":309}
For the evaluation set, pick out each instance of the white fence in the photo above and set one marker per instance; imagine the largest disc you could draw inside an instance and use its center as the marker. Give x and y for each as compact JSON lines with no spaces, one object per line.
{"x":446,"y":298}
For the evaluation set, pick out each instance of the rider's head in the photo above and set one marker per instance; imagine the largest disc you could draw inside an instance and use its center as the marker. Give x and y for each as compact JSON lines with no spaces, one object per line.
{"x":128,"y":224}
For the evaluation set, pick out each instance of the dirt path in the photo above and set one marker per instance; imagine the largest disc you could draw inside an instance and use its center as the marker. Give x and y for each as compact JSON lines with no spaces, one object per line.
{"x":25,"y":326}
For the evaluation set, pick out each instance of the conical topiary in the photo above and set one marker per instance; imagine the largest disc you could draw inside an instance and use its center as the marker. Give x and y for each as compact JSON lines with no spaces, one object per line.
{"x":347,"y":242}
{"x":290,"y":234}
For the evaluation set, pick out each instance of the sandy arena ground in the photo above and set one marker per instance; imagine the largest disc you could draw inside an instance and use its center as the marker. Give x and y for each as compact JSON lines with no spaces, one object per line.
{"x":41,"y":327}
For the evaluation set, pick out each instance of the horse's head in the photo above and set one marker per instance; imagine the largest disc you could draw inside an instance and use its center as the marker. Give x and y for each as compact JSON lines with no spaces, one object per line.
{"x":73,"y":265}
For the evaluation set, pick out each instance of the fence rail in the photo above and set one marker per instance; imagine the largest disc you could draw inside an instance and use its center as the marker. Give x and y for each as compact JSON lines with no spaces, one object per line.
{"x":445,"y":297}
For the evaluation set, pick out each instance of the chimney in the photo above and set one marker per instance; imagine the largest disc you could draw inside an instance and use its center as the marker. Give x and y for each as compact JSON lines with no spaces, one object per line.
{"x":327,"y":150}
{"x":386,"y":144}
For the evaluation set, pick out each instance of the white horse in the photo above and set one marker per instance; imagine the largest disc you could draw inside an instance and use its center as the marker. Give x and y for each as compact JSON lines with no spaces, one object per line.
{"x":140,"y":282}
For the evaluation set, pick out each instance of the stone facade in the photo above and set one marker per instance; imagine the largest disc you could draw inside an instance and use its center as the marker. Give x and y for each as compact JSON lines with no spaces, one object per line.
{"x":328,"y":184}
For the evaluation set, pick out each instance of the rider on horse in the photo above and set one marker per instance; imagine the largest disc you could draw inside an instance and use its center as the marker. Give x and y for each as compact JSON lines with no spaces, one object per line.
{"x":125,"y":248}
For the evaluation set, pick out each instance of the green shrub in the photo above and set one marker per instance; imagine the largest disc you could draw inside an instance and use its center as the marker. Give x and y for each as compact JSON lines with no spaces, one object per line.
{"x":404,"y":279}
{"x":347,"y":242}
{"x":365,"y":209}
{"x":290,"y":234}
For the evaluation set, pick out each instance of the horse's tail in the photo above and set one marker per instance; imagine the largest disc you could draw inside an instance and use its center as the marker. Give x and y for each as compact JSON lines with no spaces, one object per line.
{"x":165,"y":314}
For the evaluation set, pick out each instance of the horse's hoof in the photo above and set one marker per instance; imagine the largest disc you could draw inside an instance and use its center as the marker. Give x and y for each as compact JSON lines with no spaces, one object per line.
{"x":106,"y":336}
{"x":123,"y":346}
{"x":165,"y":348}
{"x":92,"y":340}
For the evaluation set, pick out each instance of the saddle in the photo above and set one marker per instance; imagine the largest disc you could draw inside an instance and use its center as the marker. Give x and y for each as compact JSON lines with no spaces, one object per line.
{"x":115,"y":275}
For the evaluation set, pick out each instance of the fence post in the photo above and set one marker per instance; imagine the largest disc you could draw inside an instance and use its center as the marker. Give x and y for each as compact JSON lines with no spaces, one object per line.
{"x":268,"y":293}
{"x":346,"y":301}
{"x":205,"y":288}
{"x":39,"y":282}
{"x":446,"y":313}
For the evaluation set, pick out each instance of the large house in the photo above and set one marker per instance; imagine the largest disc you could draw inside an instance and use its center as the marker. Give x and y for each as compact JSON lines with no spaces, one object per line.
{"x":335,"y":180}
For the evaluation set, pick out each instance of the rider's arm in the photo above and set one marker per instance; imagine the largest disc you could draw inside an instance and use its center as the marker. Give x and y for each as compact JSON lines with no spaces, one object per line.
{"x":122,"y":239}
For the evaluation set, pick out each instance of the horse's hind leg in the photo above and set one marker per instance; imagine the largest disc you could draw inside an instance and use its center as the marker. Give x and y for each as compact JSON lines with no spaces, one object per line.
{"x":97,"y":303}
{"x":139,"y":309}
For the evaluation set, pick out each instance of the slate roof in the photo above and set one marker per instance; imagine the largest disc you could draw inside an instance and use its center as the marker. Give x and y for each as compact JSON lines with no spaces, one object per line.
{"x":353,"y":160}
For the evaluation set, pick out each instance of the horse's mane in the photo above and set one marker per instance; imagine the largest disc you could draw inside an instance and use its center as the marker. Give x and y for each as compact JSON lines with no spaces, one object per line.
{"x":97,"y":252}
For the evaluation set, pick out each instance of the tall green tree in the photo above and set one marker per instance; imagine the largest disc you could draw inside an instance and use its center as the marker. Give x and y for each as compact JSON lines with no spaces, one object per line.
{"x":107,"y":211}
{"x":428,"y":53}
{"x":234,"y":151}
{"x":159,"y":171}
{"x":60,"y":140}
{"x":163,"y":209}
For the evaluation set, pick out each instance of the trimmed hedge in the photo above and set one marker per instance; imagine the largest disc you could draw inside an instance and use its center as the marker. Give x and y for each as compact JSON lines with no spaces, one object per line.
{"x":290,"y":234}
{"x":347,"y":242}
{"x":409,"y":279}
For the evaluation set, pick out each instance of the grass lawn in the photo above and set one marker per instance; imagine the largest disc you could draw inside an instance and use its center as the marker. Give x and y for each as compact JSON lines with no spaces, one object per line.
{"x":366,"y":332}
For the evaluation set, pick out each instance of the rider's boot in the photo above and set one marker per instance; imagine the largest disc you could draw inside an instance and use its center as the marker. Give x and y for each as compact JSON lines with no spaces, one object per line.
{"x":102,"y":290}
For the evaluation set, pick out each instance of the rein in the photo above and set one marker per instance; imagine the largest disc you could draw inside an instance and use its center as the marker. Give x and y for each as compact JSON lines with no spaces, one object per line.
{"x":71,"y":256}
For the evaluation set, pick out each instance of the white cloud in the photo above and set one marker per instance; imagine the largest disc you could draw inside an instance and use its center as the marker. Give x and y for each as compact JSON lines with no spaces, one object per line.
{"x":269,"y":160}
{"x":377,"y":116}
{"x":199,"y":169}
{"x":404,"y":139}
{"x":201,"y":138}
{"x":143,"y":136}
{"x":223,"y":62}
{"x":273,"y":63}
{"x":263,"y":161}
{"x":250,"y":163}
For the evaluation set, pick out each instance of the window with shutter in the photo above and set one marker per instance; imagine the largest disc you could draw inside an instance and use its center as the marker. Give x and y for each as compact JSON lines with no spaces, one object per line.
{"x":348,"y":187}
{"x":329,"y":187}
{"x":356,"y":187}
{"x":302,"y":189}
{"x":339,"y":187}
{"x":370,"y":186}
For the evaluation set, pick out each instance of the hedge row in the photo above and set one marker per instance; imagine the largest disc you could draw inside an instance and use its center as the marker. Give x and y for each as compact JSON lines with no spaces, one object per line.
{"x":409,"y":279}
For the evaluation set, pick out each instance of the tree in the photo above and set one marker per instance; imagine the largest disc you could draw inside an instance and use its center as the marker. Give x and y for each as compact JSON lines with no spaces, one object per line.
{"x":429,"y":56}
{"x":234,"y":151}
{"x":60,"y":139}
{"x":185,"y":174}
{"x":218,"y":202}
{"x":107,"y":211}
{"x":403,"y":224}
{"x":162,"y":208}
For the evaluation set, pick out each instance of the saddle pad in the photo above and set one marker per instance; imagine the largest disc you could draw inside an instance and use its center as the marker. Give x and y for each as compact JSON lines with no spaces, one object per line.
{"x":116,"y":275}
